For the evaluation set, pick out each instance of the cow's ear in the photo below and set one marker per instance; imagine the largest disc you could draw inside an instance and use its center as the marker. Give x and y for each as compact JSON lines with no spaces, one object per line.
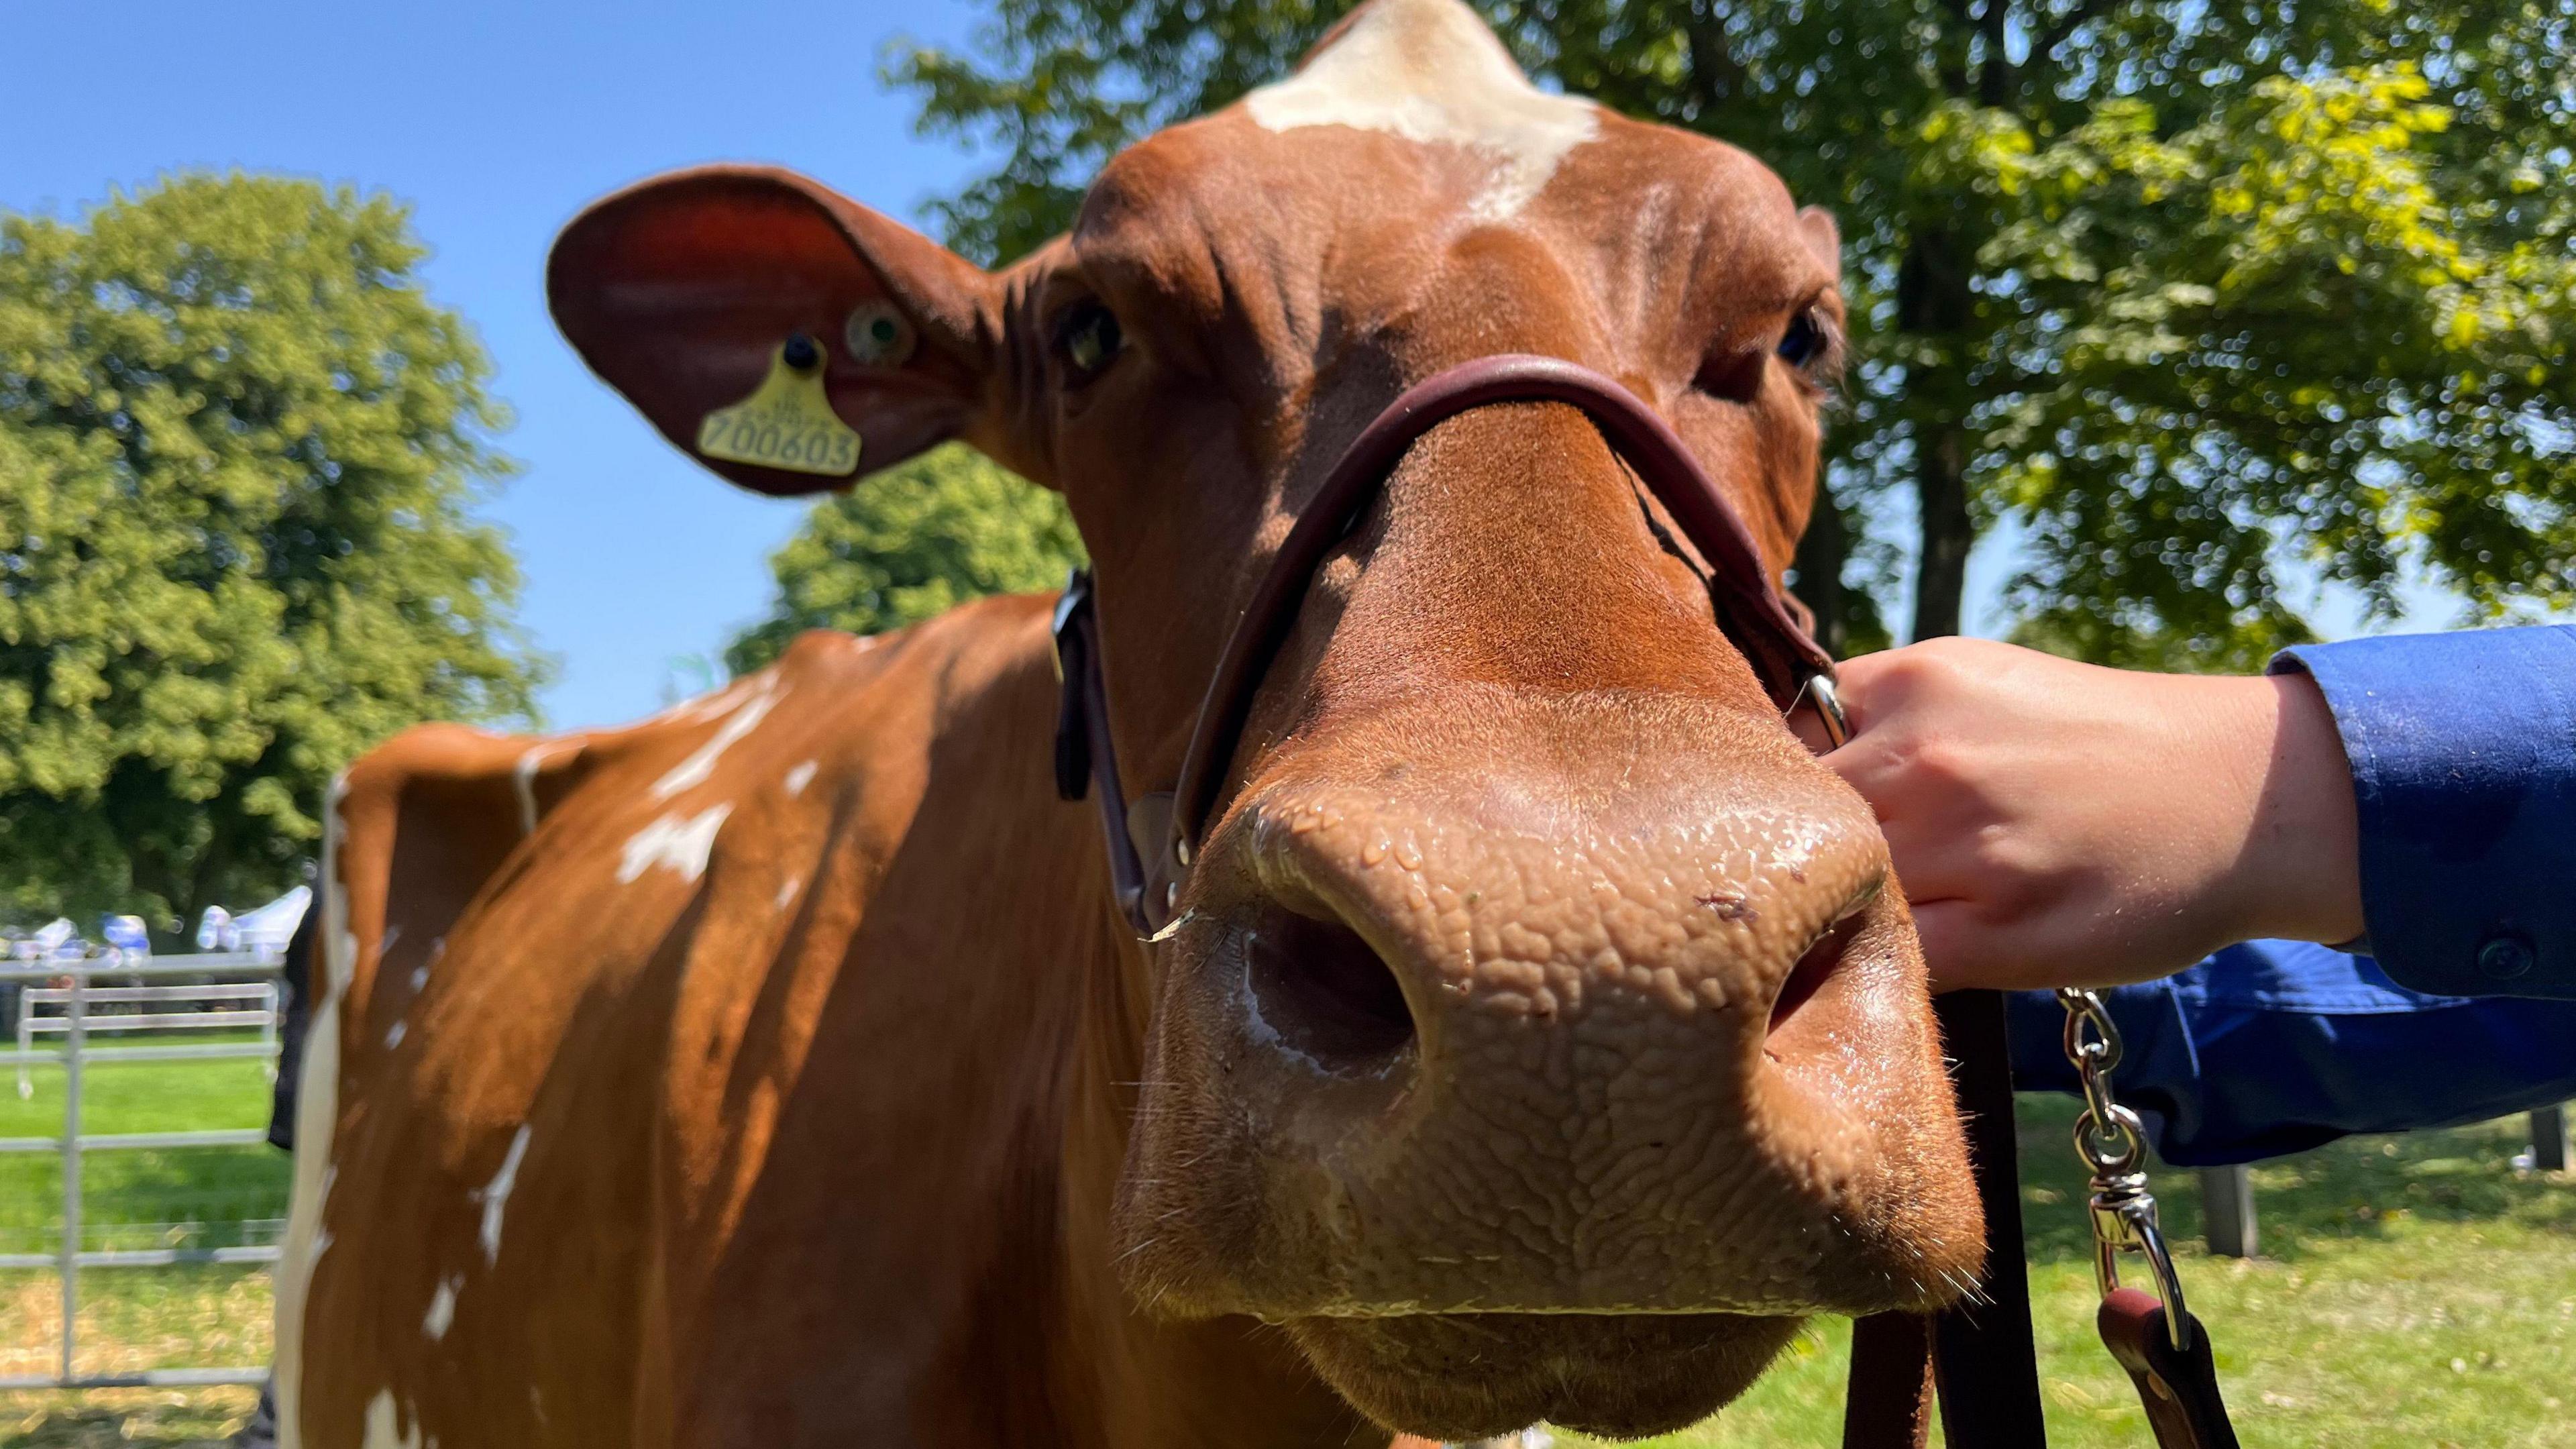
{"x":1816,"y":227}
{"x":778,"y":332}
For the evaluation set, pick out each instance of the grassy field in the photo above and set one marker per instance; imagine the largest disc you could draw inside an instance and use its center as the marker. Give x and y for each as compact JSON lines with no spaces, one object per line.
{"x":180,"y":1197}
{"x":2416,"y":1292}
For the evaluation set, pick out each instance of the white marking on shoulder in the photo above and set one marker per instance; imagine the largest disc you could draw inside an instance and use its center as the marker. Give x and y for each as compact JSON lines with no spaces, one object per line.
{"x":384,"y":1424}
{"x":523,"y":775}
{"x":800,"y":777}
{"x":442,"y":1307}
{"x":495,"y":1196}
{"x":681,"y":842}
{"x":1429,"y":70}
{"x":698,"y":766}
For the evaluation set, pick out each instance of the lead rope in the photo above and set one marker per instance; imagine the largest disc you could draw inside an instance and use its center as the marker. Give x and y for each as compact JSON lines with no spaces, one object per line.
{"x":2153,"y":1336}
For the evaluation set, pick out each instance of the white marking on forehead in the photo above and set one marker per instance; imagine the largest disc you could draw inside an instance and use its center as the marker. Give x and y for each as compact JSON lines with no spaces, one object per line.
{"x":1429,"y":70}
{"x":696,"y":768}
{"x":678,"y":841}
{"x":800,"y":777}
{"x":496,"y":1195}
{"x":442,"y":1307}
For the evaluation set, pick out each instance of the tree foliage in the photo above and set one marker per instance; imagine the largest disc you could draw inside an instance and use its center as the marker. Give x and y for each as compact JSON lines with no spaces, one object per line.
{"x":238,"y":449}
{"x":908,"y":542}
{"x":2214,"y":301}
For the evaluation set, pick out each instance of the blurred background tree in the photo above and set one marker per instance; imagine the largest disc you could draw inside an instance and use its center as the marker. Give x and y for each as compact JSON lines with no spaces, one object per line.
{"x":906,"y":543}
{"x":238,"y":449}
{"x":2215,"y":302}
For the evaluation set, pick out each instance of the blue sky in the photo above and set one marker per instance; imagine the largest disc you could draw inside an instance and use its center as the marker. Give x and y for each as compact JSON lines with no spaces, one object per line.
{"x":497,"y":122}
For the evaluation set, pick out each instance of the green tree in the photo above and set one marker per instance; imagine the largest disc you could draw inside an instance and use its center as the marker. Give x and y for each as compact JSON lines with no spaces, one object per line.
{"x":238,"y":449}
{"x":2212,"y":300}
{"x":905,"y":544}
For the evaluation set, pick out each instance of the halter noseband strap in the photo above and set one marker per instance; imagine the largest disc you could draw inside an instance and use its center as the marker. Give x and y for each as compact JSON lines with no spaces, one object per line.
{"x":1749,"y":608}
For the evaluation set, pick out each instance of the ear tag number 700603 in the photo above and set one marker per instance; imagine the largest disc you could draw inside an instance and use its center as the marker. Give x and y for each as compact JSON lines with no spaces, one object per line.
{"x":786,"y":423}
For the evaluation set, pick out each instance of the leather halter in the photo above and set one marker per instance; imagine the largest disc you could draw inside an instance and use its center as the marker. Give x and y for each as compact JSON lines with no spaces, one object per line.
{"x":1762,"y":622}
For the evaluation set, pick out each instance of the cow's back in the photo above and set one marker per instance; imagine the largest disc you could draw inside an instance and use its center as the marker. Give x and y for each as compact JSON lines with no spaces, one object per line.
{"x":694,"y":1081}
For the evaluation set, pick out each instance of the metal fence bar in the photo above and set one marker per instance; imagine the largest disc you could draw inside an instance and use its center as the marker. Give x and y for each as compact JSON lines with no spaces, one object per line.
{"x":222,"y":991}
{"x":148,"y":1257}
{"x":211,"y":963}
{"x":147,"y":1379}
{"x":76,"y":1039}
{"x":132,"y":1141}
{"x":151,"y":1021}
{"x":207,"y":1052}
{"x":73,"y":1056}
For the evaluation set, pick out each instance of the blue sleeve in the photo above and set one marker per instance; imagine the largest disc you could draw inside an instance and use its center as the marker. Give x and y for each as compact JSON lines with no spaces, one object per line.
{"x":2463,"y":751}
{"x":2274,"y":1047}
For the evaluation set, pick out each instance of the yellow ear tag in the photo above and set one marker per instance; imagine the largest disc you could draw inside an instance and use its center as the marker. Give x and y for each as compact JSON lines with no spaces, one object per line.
{"x":787,"y":422}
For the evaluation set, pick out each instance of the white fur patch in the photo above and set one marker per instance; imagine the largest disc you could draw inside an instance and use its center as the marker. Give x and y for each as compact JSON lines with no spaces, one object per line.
{"x":442,"y":1308}
{"x":787,"y":891}
{"x":495,"y":1195}
{"x":680,"y":842}
{"x":741,"y":721}
{"x":523,"y":775}
{"x":1429,"y":70}
{"x":317,"y":1120}
{"x":384,"y":1424}
{"x":800,"y":777}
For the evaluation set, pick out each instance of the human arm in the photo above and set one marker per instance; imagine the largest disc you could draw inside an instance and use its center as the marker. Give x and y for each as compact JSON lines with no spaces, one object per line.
{"x":2056,"y":823}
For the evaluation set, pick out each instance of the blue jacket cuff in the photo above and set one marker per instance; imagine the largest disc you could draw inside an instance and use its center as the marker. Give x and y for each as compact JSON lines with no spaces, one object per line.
{"x":2463,"y":751}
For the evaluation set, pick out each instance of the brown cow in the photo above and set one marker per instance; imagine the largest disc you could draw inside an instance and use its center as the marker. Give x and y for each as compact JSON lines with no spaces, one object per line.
{"x":1538,"y":1039}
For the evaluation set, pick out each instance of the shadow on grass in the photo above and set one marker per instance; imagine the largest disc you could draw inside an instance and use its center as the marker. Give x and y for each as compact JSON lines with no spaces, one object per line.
{"x":216,"y":1189}
{"x":161,"y":1419}
{"x":2344,"y":1190}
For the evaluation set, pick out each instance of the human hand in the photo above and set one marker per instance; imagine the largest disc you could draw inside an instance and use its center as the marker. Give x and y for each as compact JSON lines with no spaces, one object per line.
{"x":2061,"y":824}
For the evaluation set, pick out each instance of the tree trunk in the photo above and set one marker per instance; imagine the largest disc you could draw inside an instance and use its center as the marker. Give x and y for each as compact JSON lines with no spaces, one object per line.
{"x":1822,"y":551}
{"x":1935,"y":300}
{"x":1941,"y":571}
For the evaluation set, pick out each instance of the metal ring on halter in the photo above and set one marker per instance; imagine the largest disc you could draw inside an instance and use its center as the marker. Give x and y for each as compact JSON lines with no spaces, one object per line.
{"x":1819,"y":689}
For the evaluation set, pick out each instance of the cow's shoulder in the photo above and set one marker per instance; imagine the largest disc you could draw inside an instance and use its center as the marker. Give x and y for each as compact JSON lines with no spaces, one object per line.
{"x":838,"y":733}
{"x":576,"y":984}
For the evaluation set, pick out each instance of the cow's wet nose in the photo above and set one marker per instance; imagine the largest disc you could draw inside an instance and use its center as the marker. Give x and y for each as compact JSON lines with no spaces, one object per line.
{"x":1368,"y":930}
{"x":1613,"y":1022}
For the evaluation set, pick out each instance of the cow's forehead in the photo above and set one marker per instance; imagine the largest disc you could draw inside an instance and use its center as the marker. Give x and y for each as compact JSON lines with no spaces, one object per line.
{"x":1411,"y":123}
{"x":1429,"y":71}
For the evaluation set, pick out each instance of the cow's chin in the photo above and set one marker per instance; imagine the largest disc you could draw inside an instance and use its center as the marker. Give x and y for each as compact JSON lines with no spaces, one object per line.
{"x":1467,"y":1376}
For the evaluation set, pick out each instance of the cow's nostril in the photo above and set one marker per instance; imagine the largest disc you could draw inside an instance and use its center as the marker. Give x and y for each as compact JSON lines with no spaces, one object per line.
{"x":1324,"y":992}
{"x":1814,"y":968}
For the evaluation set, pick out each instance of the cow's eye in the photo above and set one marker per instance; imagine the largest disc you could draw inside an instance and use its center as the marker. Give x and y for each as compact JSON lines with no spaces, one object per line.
{"x":1087,"y":339}
{"x":1806,"y":340}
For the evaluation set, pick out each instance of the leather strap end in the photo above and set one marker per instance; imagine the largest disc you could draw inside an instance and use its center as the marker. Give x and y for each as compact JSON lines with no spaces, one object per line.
{"x":2177,"y":1386}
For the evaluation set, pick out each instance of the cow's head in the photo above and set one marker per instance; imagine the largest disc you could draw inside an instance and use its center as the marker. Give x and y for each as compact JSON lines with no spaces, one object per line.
{"x":1543,"y":1034}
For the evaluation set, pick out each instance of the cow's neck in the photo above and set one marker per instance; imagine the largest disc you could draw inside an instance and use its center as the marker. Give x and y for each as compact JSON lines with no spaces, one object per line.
{"x":1181,"y":1385}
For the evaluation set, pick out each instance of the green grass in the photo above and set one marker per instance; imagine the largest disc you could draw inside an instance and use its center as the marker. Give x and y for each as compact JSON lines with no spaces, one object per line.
{"x":2415,"y":1291}
{"x":195,"y":1315}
